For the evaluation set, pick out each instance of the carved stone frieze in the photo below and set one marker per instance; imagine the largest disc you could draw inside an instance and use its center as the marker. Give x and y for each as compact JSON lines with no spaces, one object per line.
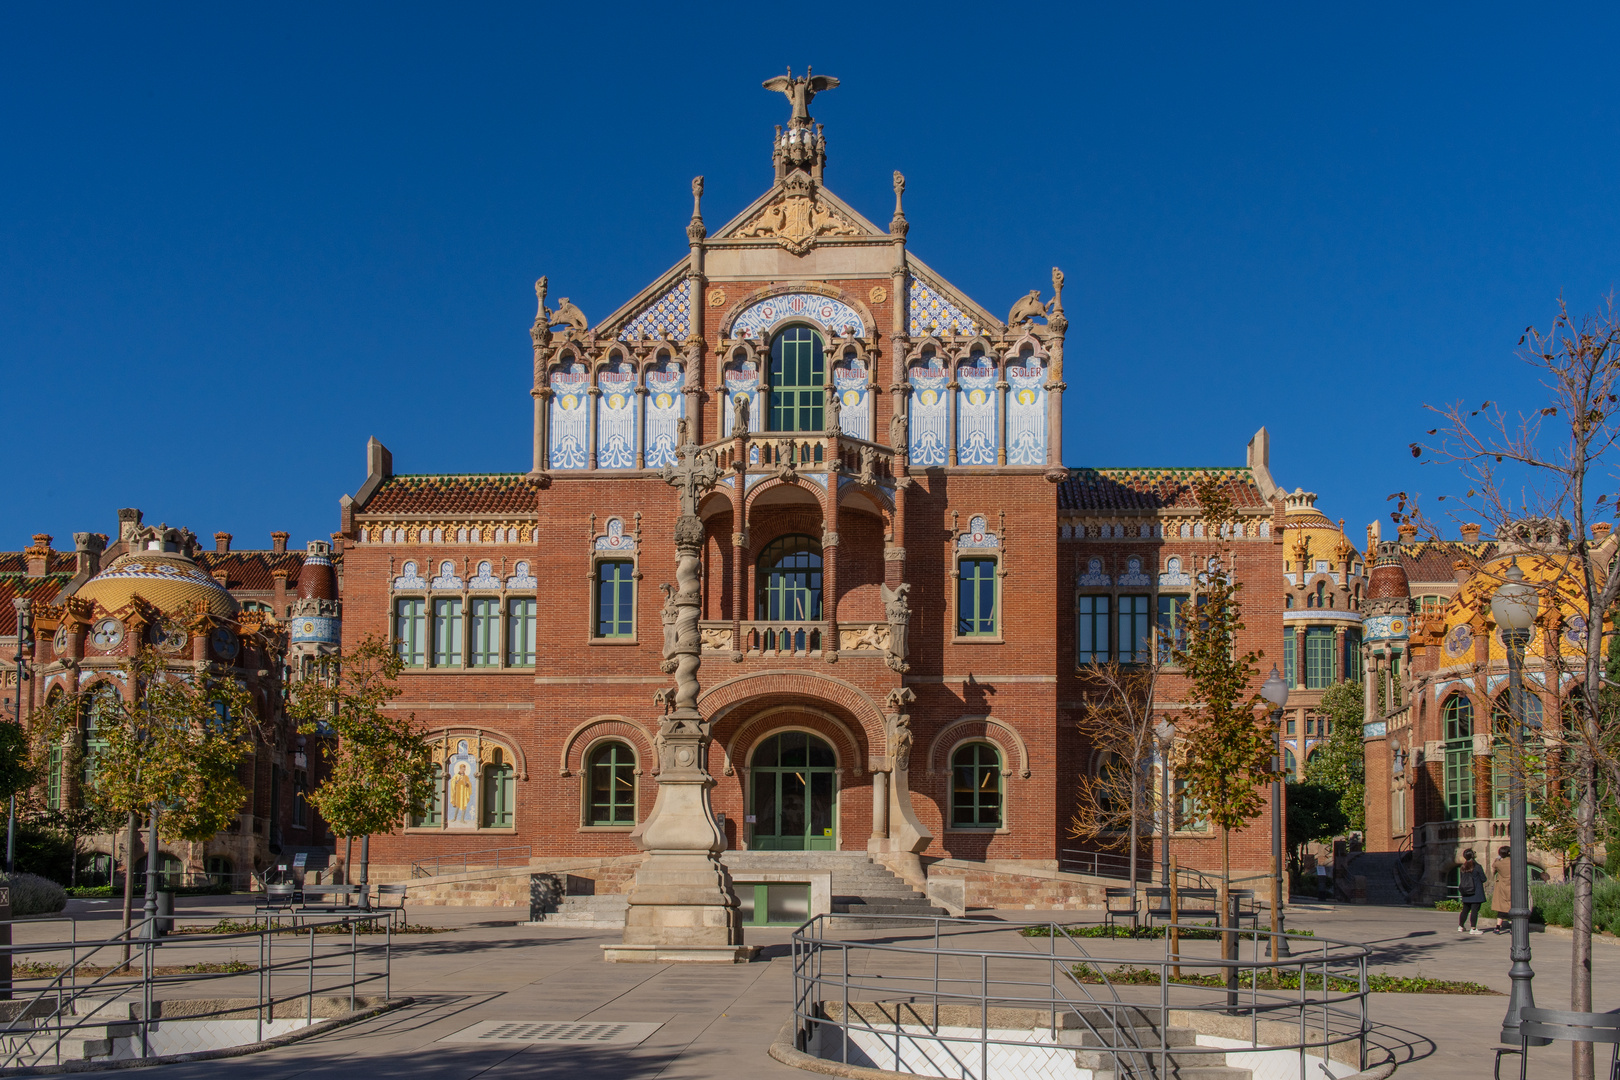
{"x":798,"y":217}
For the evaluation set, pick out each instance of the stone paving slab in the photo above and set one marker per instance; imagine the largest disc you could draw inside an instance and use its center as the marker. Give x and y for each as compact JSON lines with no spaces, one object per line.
{"x":718,"y":1022}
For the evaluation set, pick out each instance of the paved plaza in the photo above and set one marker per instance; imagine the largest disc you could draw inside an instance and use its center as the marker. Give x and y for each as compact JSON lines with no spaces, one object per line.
{"x":719,"y":1021}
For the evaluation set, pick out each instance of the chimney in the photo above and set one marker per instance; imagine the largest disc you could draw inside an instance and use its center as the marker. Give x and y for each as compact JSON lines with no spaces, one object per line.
{"x":1600,"y":531}
{"x":128,"y":521}
{"x":1462,"y":571}
{"x":1407,"y":533}
{"x":1471,"y":533}
{"x":280,"y":574}
{"x":39,"y":555}
{"x":222,"y":542}
{"x":88,"y":548}
{"x":223,"y":578}
{"x":278,"y":542}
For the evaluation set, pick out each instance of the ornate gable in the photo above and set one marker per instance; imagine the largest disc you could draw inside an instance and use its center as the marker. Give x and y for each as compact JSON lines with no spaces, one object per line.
{"x":798,"y":214}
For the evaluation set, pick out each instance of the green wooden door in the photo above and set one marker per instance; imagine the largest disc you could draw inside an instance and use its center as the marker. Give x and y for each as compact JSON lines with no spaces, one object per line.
{"x":795,"y":798}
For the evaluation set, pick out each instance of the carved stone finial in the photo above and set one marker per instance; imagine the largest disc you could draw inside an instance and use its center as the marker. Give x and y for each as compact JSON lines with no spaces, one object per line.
{"x":540,"y":294}
{"x":1057,"y":291}
{"x":695,"y":229}
{"x":898,"y":224}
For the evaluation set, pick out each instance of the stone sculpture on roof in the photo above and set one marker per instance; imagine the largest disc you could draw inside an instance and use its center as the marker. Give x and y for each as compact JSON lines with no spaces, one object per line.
{"x":800,"y":92}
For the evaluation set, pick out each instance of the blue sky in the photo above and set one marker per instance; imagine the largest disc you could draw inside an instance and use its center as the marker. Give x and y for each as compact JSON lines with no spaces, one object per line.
{"x":235,"y":240}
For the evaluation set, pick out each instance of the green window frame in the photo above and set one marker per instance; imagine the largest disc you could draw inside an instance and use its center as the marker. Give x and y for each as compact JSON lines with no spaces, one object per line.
{"x":612,"y":773}
{"x":787,"y":580}
{"x":1319,"y":650}
{"x":615,"y":598}
{"x":1092,"y":641}
{"x":410,"y":630}
{"x":1189,"y":815}
{"x":976,"y":598}
{"x":105,"y":704}
{"x":976,"y":787}
{"x":432,"y":815}
{"x":486,"y":631}
{"x":498,"y":796}
{"x":1171,"y":634}
{"x":1535,"y":784}
{"x":53,"y":779}
{"x":1135,"y":640}
{"x":447,"y":631}
{"x":520,"y":631}
{"x":1458,"y":776}
{"x":798,"y":380}
{"x":300,"y":797}
{"x":1290,"y":659}
{"x":1351,"y":667}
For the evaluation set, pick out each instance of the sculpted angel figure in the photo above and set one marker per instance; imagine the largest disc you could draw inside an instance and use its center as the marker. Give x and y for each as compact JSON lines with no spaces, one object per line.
{"x":739,"y":413}
{"x":800,"y":92}
{"x":671,"y":635}
{"x":898,"y":612}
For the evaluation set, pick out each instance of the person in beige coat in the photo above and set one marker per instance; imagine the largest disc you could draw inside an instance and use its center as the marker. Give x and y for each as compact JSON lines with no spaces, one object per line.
{"x":1502,"y":886}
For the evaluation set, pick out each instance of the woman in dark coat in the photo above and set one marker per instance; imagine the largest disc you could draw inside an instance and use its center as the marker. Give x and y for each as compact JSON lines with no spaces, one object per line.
{"x":1471,"y":891}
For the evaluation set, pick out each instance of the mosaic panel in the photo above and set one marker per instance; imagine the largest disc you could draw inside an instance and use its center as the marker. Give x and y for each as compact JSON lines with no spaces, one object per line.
{"x":521,"y":578}
{"x":666,"y":404}
{"x":570,"y":420}
{"x":927,"y":416}
{"x":485,"y":578}
{"x":836,"y":316}
{"x":614,"y":539}
{"x":1026,"y":412}
{"x":742,"y":377}
{"x":616,"y":416}
{"x":446,"y":578}
{"x":855,"y":398}
{"x":669,"y":316}
{"x":320,"y":629}
{"x":976,"y":426}
{"x":930,"y":313}
{"x":978,"y":535}
{"x":410,"y":578}
{"x":1174,"y":575}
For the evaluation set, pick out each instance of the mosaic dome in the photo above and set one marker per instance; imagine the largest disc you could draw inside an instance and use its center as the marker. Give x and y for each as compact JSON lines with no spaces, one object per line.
{"x":1325,"y":540}
{"x":166,"y":579}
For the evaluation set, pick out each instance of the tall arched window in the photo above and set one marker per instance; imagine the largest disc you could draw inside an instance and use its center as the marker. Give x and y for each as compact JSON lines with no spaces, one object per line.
{"x":1458,"y":715}
{"x":53,"y":770}
{"x":798,"y":380}
{"x":1290,"y":769}
{"x":612,"y":778}
{"x":105,"y":705}
{"x":976,"y":787}
{"x":787,"y":583}
{"x":1502,"y":764}
{"x":498,"y":793}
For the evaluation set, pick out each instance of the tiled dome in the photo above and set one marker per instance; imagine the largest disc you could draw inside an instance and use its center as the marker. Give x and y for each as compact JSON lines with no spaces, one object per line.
{"x":167,"y":579}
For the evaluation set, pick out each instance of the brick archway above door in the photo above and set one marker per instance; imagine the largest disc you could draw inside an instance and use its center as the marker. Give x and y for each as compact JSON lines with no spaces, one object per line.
{"x":786,"y":686}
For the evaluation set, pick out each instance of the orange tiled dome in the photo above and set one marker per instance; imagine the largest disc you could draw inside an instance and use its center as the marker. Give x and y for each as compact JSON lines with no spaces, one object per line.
{"x":167,"y":579}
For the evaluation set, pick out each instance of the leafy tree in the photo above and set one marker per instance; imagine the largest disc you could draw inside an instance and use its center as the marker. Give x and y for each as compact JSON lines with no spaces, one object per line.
{"x":19,"y":770}
{"x":1315,"y":812}
{"x":172,"y":750}
{"x":381,"y":770}
{"x":1340,"y":763}
{"x":1229,"y":737}
{"x":1118,"y":722}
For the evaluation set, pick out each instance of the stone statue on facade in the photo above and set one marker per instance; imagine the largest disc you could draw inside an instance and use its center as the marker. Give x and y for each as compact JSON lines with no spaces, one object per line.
{"x":567,"y":313}
{"x":739,"y":414}
{"x":800,"y":92}
{"x":897,"y":430}
{"x":1027,"y":309}
{"x":898,"y":612}
{"x":835,"y":410}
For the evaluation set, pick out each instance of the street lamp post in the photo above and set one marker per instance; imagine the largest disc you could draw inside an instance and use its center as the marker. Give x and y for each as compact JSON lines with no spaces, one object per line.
{"x":1514,"y":609}
{"x":1166,"y":731}
{"x":1275,"y":691}
{"x":25,"y":611}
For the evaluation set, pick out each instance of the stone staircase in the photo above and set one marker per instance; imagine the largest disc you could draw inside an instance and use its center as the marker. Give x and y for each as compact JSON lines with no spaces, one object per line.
{"x":604,"y":912}
{"x":1140,"y":1029}
{"x":859,"y":886}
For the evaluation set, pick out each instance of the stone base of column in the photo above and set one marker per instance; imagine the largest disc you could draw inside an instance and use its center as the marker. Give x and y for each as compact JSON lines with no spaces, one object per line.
{"x":682,"y":910}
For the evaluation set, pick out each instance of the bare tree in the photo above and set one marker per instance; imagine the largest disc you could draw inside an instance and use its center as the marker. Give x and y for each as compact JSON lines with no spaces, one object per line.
{"x":1116,"y":797}
{"x":1540,"y":475}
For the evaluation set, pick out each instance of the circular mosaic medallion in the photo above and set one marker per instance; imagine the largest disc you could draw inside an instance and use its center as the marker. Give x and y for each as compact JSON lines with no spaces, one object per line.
{"x":1575,"y":631}
{"x":107,"y":633}
{"x":1459,"y":641}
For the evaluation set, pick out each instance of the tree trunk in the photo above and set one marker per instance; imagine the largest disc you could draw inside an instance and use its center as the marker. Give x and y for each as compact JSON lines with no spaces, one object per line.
{"x":1580,"y":983}
{"x":1224,"y":918}
{"x":1135,"y":783}
{"x":365,"y":872}
{"x":129,"y":880}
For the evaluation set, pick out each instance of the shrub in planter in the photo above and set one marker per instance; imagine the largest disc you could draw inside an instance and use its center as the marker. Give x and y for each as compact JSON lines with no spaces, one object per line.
{"x":34,"y":895}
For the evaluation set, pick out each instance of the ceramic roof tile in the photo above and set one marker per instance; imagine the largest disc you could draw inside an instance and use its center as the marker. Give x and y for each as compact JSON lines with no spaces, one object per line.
{"x":1150,"y":489}
{"x":1431,"y":560}
{"x":251,"y":570}
{"x":42,"y":590}
{"x":488,"y":493}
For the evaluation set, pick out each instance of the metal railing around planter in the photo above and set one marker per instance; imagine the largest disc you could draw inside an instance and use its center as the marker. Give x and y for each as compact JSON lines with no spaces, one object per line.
{"x":88,"y":993}
{"x":459,"y":862}
{"x":920,"y":986}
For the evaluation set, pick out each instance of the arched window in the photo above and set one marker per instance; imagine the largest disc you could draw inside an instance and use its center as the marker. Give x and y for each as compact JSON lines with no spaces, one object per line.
{"x":787,"y":584}
{"x":1290,"y":769}
{"x":105,"y":705}
{"x":1502,"y":764}
{"x":612,"y":778}
{"x":1321,"y":594}
{"x":53,"y":769}
{"x":798,"y":380}
{"x":1458,"y":715}
{"x":219,"y":871}
{"x":498,"y":793}
{"x":1288,"y":601}
{"x":976,"y":787}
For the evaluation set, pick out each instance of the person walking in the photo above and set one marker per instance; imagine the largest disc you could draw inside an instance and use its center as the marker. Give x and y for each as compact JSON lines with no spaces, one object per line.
{"x":1502,"y":887}
{"x":1471,"y":891}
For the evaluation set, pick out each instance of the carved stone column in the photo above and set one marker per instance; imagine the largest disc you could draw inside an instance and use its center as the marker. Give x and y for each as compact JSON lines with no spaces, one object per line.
{"x":880,"y":805}
{"x":682,"y":908}
{"x":907,"y":836}
{"x":829,"y":531}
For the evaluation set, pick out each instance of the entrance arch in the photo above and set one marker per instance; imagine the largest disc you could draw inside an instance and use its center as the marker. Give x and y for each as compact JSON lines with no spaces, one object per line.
{"x":793,"y":793}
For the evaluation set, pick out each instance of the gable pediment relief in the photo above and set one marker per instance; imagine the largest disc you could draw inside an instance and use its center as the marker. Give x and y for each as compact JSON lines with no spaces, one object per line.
{"x":798,"y":217}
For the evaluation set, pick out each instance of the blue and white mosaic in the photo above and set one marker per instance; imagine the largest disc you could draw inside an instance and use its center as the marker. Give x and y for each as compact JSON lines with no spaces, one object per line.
{"x":1094,"y":576}
{"x":742,"y":378}
{"x":836,"y":316}
{"x":446,"y":578}
{"x":521,"y":578}
{"x":319,"y":629}
{"x":1026,"y":412}
{"x":669,"y":316}
{"x":976,"y":412}
{"x":1385,"y":627}
{"x":410,"y":578}
{"x":570,"y":417}
{"x":616,"y":416}
{"x":615,"y":539}
{"x":485,"y":578}
{"x":855,"y":398}
{"x":927,"y":416}
{"x":1174,"y":575}
{"x":930,"y":313}
{"x":666,"y":404}
{"x":1133,"y":578}
{"x":979,"y":536}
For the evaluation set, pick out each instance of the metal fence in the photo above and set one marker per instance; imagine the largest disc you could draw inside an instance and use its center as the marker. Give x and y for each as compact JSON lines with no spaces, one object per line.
{"x":948,"y":984}
{"x":461,"y":861}
{"x":88,"y":984}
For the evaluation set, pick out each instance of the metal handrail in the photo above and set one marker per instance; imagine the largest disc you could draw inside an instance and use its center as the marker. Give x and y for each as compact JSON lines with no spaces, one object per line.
{"x":882,"y":979}
{"x":23,"y":1044}
{"x":419,"y":869}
